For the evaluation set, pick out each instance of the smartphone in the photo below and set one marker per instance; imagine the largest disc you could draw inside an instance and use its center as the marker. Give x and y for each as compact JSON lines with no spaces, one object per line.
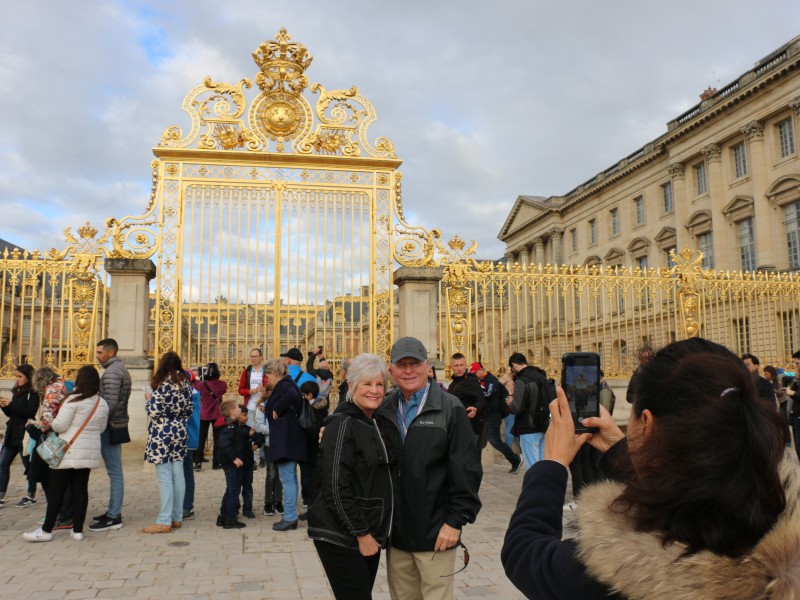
{"x":580,"y":379}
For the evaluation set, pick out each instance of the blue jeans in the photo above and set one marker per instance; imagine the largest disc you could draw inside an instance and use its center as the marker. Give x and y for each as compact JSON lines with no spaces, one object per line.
{"x":188,"y":476}
{"x":171,"y":489}
{"x":508,"y":421}
{"x":247,"y":488}
{"x":287,"y":471}
{"x":230,"y":500}
{"x":112,"y":458}
{"x":532,"y":446}
{"x":493,"y":435}
{"x":7,"y":456}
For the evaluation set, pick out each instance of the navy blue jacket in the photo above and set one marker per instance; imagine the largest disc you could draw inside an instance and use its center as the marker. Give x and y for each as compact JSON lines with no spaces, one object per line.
{"x":287,"y":442}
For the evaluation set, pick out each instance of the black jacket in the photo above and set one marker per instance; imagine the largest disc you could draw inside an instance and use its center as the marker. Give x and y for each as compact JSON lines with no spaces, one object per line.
{"x":522,"y":407}
{"x":234,"y":442}
{"x":23,"y":406}
{"x":357,"y":461}
{"x":495,"y":393}
{"x":440,"y":471}
{"x":468,"y":389}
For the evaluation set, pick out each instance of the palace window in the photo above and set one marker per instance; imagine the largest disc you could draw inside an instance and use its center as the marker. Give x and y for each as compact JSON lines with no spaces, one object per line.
{"x":747,"y":245}
{"x":700,"y":178}
{"x":614,"y":221}
{"x":231,"y":352}
{"x":739,"y":160}
{"x":666,"y":192}
{"x":705,"y":244}
{"x":792,"y":223}
{"x":639,"y":206}
{"x":786,"y":137}
{"x":593,"y":231}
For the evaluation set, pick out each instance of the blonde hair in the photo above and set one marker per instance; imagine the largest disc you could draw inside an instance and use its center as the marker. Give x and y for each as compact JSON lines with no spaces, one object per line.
{"x":275,"y":366}
{"x":226,"y":408}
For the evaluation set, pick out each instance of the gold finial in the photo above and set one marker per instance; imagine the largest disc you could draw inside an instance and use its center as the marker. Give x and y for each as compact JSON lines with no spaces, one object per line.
{"x":282,"y":64}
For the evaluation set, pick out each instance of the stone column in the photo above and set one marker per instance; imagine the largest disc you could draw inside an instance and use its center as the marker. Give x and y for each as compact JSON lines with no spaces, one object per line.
{"x":524,"y":254}
{"x":716,"y":192}
{"x":765,"y":224}
{"x":680,"y":203}
{"x":555,"y":239}
{"x":128,"y":321}
{"x":417,"y":290}
{"x":538,"y":244}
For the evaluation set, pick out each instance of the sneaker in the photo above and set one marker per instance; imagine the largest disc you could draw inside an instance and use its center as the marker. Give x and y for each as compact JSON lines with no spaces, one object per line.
{"x":284,"y":525}
{"x":279,"y":508}
{"x":38,"y":536}
{"x":3,"y":502}
{"x":571,"y":506}
{"x":106,"y":524}
{"x":63,"y":524}
{"x":249,"y":514}
{"x":76,"y":535}
{"x":157,"y":528}
{"x":198,"y":467}
{"x":25,"y":502}
{"x":515,"y":467}
{"x":220,"y":521}
{"x":233,"y":524}
{"x":269,"y":510}
{"x":188,"y":515}
{"x":303,"y":516}
{"x":102,"y":517}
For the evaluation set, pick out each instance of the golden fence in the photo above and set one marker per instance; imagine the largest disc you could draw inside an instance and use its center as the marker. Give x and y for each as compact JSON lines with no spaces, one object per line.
{"x":53,"y":309}
{"x":490,"y":310}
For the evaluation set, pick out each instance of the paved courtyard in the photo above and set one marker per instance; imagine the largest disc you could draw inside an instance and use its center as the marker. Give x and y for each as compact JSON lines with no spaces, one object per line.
{"x":204,"y":561}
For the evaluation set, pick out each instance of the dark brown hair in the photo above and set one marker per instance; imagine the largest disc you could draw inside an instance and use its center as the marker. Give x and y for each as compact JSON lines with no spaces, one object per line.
{"x":87,"y":384}
{"x":170,"y":368}
{"x":707,"y":475}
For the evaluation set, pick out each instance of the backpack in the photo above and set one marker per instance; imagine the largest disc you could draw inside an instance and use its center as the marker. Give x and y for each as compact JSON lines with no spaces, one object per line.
{"x":539,"y":414}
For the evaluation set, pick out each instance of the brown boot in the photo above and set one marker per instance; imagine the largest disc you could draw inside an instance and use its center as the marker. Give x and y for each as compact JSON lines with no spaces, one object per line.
{"x":157,"y":529}
{"x":176,"y":524}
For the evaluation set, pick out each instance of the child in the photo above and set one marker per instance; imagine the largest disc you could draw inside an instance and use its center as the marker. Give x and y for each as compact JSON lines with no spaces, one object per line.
{"x":273,"y":491}
{"x":310,"y":392}
{"x":250,"y":441}
{"x":234,"y":448}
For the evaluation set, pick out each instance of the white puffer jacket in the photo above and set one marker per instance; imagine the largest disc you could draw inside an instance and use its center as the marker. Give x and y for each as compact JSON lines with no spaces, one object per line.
{"x":85,"y":452}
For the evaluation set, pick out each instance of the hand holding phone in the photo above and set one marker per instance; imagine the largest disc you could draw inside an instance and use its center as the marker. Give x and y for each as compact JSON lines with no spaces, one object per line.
{"x":580,"y":379}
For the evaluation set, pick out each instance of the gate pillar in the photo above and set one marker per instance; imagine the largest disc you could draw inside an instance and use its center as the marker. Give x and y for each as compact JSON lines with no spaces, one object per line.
{"x":417,"y":289}
{"x":128,"y":321}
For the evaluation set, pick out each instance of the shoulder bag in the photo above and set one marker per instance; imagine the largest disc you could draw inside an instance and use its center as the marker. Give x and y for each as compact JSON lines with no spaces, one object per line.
{"x":53,"y":448}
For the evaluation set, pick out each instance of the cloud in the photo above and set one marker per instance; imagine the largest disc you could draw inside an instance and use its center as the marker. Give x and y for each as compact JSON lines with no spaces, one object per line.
{"x":483,"y":102}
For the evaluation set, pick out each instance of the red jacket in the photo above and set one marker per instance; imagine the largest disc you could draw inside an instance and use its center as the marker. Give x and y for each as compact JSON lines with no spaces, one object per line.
{"x":244,"y":383}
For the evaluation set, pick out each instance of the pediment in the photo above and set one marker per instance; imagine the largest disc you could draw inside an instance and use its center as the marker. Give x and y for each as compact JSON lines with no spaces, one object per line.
{"x":614,"y":256}
{"x":700,"y":222}
{"x":525,"y":209}
{"x":741,"y":207}
{"x":639,"y":247}
{"x":666,"y":238}
{"x":785,"y":190}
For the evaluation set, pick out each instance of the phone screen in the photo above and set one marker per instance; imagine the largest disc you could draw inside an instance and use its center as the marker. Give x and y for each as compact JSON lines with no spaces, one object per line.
{"x":580,"y":378}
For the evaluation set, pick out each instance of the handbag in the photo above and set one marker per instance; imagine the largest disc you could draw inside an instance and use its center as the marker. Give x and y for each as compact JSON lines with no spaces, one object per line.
{"x":53,"y":448}
{"x":118,"y":435}
{"x":306,"y":418}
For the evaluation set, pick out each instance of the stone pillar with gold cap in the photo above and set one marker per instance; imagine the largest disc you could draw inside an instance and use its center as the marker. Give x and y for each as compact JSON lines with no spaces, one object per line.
{"x":128,"y":321}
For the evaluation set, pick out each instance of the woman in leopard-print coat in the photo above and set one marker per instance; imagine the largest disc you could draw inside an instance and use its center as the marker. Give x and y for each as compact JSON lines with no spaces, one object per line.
{"x":169,"y":408}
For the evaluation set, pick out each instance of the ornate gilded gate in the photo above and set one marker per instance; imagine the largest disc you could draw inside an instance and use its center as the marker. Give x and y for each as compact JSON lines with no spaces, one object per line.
{"x":272,"y":221}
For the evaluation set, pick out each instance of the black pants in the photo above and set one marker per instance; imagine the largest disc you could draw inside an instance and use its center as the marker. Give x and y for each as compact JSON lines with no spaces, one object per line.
{"x":199,"y":453}
{"x":496,"y":438}
{"x":60,"y":480}
{"x":351,"y":575}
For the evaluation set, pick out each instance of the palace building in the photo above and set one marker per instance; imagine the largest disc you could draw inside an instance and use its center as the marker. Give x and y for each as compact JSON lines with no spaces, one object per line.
{"x":723,"y":179}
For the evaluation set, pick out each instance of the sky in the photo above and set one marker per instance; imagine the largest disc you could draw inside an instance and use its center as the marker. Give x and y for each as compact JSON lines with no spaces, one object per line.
{"x":484,"y":101}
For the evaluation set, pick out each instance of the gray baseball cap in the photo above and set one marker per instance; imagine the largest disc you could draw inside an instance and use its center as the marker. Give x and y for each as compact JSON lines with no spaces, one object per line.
{"x":408,"y":347}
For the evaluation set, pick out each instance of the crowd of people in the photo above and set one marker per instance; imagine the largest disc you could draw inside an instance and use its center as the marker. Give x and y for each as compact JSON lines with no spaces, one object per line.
{"x":697,"y":500}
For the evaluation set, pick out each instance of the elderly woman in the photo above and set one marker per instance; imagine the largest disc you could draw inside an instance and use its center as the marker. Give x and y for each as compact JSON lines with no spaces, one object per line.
{"x":351,"y":518}
{"x":287,"y":441}
{"x":80,"y":421}
{"x":169,"y":408}
{"x":704,"y":506}
{"x":21,"y":407}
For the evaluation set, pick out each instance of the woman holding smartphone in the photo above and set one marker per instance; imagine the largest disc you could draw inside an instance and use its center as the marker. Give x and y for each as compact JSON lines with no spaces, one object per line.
{"x":703,"y":502}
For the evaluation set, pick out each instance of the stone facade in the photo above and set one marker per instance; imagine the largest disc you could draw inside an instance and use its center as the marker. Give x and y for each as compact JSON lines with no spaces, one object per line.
{"x":723,"y":179}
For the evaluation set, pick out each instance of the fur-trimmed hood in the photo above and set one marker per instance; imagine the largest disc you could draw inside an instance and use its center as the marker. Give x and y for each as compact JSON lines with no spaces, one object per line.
{"x":636,"y":564}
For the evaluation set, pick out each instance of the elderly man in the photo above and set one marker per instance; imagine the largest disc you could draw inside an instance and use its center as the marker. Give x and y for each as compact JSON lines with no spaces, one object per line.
{"x":440,"y":473}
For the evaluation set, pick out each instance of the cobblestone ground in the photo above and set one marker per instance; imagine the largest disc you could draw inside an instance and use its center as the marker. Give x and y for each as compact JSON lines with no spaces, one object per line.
{"x":204,"y":561}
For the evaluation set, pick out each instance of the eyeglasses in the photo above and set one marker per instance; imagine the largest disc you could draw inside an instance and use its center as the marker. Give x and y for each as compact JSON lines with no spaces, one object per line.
{"x":459,"y":544}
